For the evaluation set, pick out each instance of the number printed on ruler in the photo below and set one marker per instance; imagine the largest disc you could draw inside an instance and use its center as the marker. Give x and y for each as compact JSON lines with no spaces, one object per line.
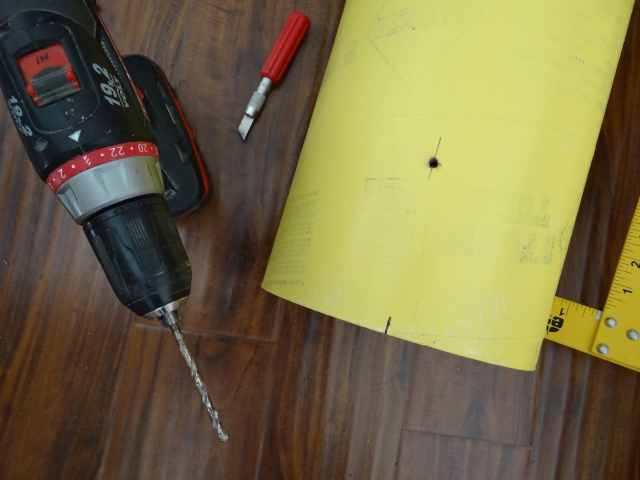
{"x":113,"y":91}
{"x":627,"y":277}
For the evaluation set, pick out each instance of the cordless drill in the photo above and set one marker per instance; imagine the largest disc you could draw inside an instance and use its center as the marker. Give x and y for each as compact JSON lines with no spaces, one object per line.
{"x":87,"y":134}
{"x":89,"y":138}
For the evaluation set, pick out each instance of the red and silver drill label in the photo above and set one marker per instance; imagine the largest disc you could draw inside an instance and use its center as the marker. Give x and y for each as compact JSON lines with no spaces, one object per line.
{"x":99,"y":157}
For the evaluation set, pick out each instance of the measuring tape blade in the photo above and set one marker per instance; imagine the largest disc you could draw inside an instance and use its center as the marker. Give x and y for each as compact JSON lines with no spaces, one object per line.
{"x":584,"y":328}
{"x":573,"y":324}
{"x":613,"y":334}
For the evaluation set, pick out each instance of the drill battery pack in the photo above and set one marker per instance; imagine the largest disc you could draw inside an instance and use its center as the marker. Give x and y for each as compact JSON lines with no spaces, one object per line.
{"x":185,"y":178}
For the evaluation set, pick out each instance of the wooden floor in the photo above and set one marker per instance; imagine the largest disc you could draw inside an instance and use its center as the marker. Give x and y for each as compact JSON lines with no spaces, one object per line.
{"x":87,"y":391}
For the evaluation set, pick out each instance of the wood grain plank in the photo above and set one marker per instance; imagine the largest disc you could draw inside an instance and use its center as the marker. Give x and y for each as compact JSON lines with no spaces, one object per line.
{"x":51,"y":347}
{"x":342,"y":400}
{"x":610,"y":420}
{"x":426,"y":456}
{"x":161,"y":427}
{"x":587,"y":417}
{"x":159,"y":31}
{"x":556,"y":439}
{"x":456,"y":396}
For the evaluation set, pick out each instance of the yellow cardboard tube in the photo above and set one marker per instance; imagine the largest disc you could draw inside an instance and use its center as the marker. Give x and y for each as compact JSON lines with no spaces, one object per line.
{"x":465,"y":257}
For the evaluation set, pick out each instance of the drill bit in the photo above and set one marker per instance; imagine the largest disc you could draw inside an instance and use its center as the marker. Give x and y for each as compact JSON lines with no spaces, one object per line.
{"x":255,"y":106}
{"x":191,"y":363}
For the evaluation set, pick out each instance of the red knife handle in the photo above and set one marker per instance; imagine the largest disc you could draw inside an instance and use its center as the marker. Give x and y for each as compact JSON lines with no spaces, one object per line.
{"x":285,"y":47}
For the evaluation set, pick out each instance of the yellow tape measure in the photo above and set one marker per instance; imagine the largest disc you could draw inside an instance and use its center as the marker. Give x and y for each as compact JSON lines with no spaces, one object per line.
{"x":614,"y":333}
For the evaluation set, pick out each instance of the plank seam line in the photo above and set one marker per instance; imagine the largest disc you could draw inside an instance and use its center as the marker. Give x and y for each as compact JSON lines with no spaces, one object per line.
{"x":460,"y":437}
{"x":209,"y":334}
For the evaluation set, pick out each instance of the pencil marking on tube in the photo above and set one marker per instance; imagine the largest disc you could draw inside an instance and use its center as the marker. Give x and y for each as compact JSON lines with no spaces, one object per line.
{"x":386,"y":60}
{"x":388,"y":323}
{"x":433,"y":161}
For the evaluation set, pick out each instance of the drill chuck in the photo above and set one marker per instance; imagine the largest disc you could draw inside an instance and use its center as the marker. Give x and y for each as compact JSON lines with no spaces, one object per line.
{"x":142,"y":255}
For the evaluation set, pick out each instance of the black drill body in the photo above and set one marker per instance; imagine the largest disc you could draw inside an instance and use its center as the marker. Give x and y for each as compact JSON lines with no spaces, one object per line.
{"x":89,"y":138}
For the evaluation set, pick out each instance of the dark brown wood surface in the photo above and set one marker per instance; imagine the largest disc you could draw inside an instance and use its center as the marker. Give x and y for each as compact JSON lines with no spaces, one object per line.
{"x":89,"y":391}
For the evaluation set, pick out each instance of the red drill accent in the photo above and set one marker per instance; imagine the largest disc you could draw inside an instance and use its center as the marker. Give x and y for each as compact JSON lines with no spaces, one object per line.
{"x":33,"y":64}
